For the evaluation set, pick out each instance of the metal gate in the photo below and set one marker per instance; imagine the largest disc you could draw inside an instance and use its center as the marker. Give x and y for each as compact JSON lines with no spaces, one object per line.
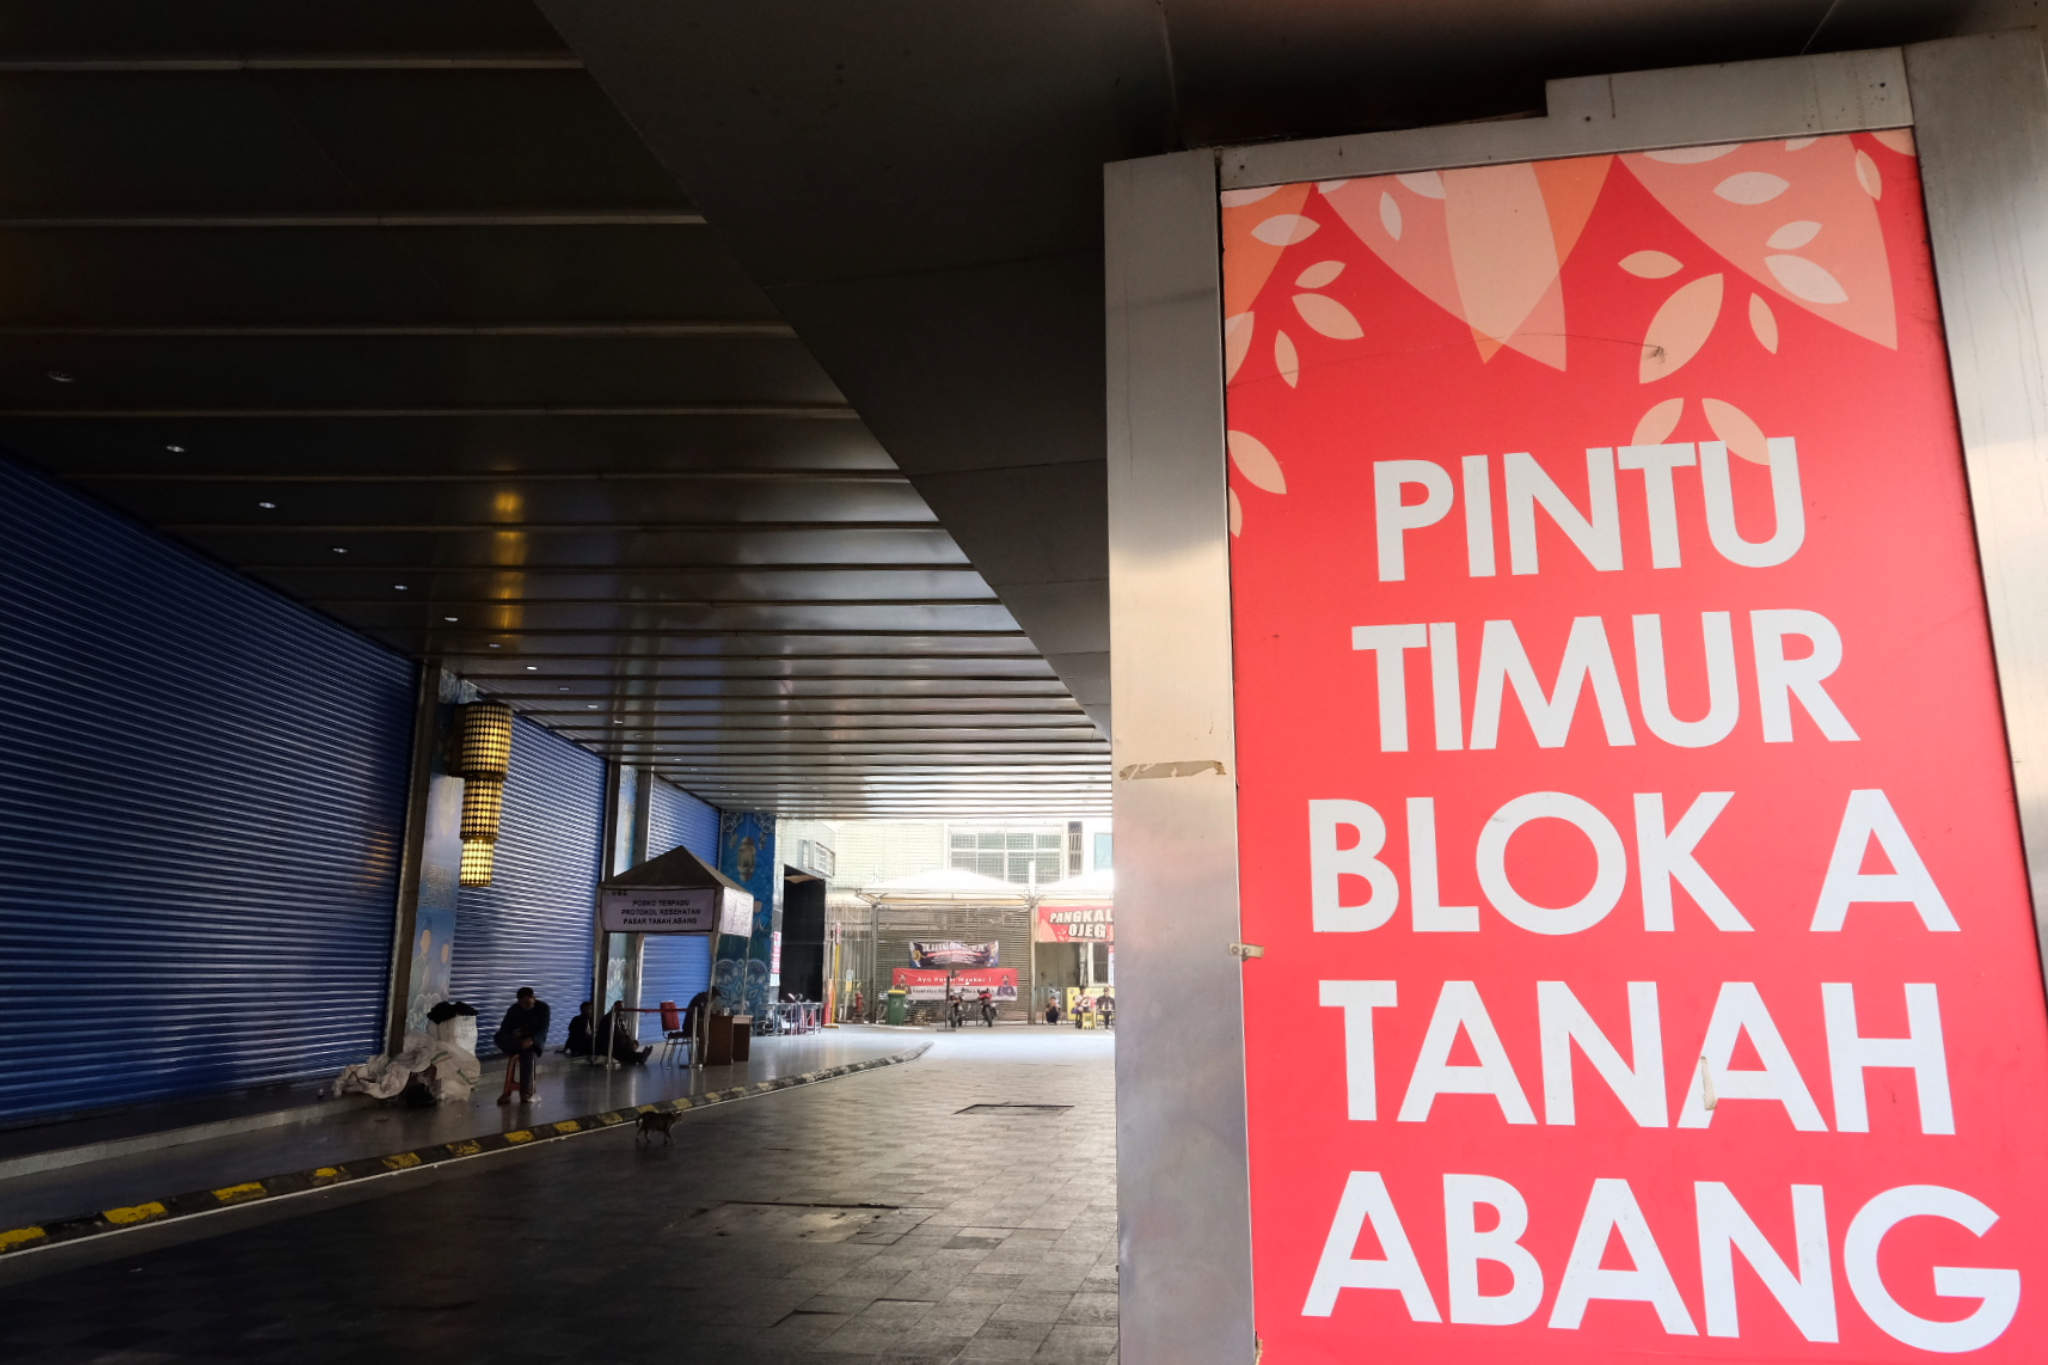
{"x":200,"y":822}
{"x":674,"y":967}
{"x":532,"y":925}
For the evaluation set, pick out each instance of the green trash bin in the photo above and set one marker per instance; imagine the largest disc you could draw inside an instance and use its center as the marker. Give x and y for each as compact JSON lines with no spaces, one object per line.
{"x":898,"y":1011}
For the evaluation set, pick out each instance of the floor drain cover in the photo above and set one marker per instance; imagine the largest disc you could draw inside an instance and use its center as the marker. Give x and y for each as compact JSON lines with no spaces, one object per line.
{"x":1018,"y":1109}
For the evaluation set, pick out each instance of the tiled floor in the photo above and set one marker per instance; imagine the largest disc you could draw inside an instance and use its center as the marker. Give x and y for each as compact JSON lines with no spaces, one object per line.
{"x":567,"y":1088}
{"x":860,"y":1219}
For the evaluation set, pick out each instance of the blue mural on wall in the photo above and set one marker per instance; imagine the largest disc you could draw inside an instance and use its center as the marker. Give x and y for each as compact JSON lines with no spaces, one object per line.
{"x":746,"y":853}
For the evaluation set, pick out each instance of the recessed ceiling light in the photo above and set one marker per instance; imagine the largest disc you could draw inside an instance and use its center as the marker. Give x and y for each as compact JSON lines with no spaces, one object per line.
{"x":59,"y":377}
{"x":451,"y":620}
{"x":268,"y":506}
{"x":494,"y":644}
{"x":175,"y":449}
{"x":618,"y":722}
{"x":339,"y":549}
{"x":398,"y":587}
{"x":590,"y":706}
{"x":529,"y":669}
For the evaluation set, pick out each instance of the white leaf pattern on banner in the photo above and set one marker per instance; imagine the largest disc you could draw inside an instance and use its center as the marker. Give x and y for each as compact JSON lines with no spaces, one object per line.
{"x":1285,"y":360}
{"x":1743,"y":437}
{"x":1285,"y":229}
{"x":1328,"y":316}
{"x":1764,"y":323}
{"x":1690,"y":156}
{"x":1752,"y":187}
{"x":1680,"y":327}
{"x":1428,"y":184}
{"x":1237,"y":199}
{"x":1319,"y":274}
{"x":1650,"y":265}
{"x":1899,"y":140}
{"x":1867,"y":176}
{"x":1390,"y":215}
{"x":1802,"y":279}
{"x":1659,"y":422}
{"x":1237,"y":343}
{"x":1255,"y":462}
{"x":1236,"y":514}
{"x":1793,"y":235}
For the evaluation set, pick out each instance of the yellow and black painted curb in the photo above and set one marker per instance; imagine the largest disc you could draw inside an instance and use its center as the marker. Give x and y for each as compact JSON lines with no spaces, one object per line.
{"x":56,"y":1232}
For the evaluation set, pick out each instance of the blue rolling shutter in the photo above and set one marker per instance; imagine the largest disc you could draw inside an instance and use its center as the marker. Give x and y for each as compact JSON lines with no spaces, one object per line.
{"x":675,"y":968}
{"x":532,"y":926}
{"x":200,"y":820}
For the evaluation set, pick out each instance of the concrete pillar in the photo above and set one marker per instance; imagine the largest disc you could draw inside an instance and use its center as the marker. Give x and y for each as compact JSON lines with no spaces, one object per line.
{"x":430,"y":870}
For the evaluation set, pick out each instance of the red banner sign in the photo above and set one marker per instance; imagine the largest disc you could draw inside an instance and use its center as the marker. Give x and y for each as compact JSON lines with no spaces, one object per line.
{"x":924,"y":983}
{"x":1076,"y":924}
{"x":1625,"y":811}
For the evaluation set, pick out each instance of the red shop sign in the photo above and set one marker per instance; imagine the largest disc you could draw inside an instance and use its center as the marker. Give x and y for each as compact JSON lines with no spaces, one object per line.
{"x":1625,"y":810}
{"x":1076,"y":924}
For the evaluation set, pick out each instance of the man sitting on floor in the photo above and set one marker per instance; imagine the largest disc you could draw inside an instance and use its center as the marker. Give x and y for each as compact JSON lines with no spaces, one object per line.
{"x":615,"y":1032}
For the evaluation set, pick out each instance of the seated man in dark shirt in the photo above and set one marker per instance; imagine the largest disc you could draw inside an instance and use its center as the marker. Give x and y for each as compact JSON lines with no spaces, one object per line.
{"x":521,"y":1037}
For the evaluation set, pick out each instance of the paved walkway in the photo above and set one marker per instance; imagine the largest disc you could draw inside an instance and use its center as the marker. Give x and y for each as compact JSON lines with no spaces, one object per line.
{"x":866,"y":1218}
{"x":567,"y":1087}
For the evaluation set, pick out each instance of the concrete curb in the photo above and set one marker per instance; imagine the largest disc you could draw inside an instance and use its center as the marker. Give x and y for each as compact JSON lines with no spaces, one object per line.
{"x":61,"y":1231}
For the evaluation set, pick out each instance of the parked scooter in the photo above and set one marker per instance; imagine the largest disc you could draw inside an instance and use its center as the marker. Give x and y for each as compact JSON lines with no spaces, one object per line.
{"x":988,"y":1009}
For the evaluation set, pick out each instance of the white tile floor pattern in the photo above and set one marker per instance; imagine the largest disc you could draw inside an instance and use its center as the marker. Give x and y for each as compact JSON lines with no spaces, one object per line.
{"x":859,"y":1219}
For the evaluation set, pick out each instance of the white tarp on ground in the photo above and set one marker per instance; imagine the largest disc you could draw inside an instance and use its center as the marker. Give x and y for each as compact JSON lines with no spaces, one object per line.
{"x":450,"y":1071}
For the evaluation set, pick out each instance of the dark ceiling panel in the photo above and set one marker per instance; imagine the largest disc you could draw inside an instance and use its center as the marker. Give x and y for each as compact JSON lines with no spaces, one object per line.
{"x":428,"y":339}
{"x":449,"y":448}
{"x":406,"y":372}
{"x":460,"y":273}
{"x":140,"y":28}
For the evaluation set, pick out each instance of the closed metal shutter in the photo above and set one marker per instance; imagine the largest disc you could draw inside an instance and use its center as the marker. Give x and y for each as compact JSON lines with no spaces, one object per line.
{"x":532,"y":925}
{"x":674,"y":817}
{"x":673,"y":967}
{"x":200,"y":819}
{"x":1008,"y":926}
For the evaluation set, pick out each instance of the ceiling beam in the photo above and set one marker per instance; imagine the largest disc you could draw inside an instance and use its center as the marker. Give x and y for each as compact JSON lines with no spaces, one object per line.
{"x":663,"y":331}
{"x":544,"y":528}
{"x":500,"y":476}
{"x":313,"y":61}
{"x":267,"y":222}
{"x":429,"y":603}
{"x":619,"y":570}
{"x":835,"y":412}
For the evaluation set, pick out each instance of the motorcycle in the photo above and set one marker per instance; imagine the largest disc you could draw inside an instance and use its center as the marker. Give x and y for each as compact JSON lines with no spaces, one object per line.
{"x":988,"y":1011}
{"x":956,"y":1013}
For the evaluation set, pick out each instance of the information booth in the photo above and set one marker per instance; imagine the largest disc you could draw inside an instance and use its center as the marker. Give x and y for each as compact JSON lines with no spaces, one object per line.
{"x":679,"y":893}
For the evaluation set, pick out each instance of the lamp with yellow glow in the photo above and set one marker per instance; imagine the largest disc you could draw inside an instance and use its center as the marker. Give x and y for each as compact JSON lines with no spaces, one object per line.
{"x":484,"y":761}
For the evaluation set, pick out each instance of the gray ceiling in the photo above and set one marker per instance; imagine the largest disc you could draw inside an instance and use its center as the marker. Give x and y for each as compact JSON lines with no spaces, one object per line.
{"x":917,"y":186}
{"x":355,"y":297}
{"x":423,"y":277}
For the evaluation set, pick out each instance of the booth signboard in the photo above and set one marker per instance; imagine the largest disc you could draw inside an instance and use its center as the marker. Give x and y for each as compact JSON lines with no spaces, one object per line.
{"x":735,"y":912}
{"x":1625,"y":818}
{"x":660,"y":910}
{"x":931,"y":983}
{"x":1076,"y":924}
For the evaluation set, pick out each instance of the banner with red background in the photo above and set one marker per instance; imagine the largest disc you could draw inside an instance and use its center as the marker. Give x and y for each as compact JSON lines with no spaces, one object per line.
{"x":931,"y":983}
{"x":1625,"y":812}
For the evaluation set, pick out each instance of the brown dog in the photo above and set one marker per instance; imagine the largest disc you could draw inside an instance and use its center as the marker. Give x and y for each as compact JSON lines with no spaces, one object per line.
{"x":656,"y":1123}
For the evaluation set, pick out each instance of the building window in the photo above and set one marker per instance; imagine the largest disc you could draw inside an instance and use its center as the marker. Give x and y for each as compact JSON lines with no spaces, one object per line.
{"x":1102,"y":853}
{"x":1019,"y":856}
